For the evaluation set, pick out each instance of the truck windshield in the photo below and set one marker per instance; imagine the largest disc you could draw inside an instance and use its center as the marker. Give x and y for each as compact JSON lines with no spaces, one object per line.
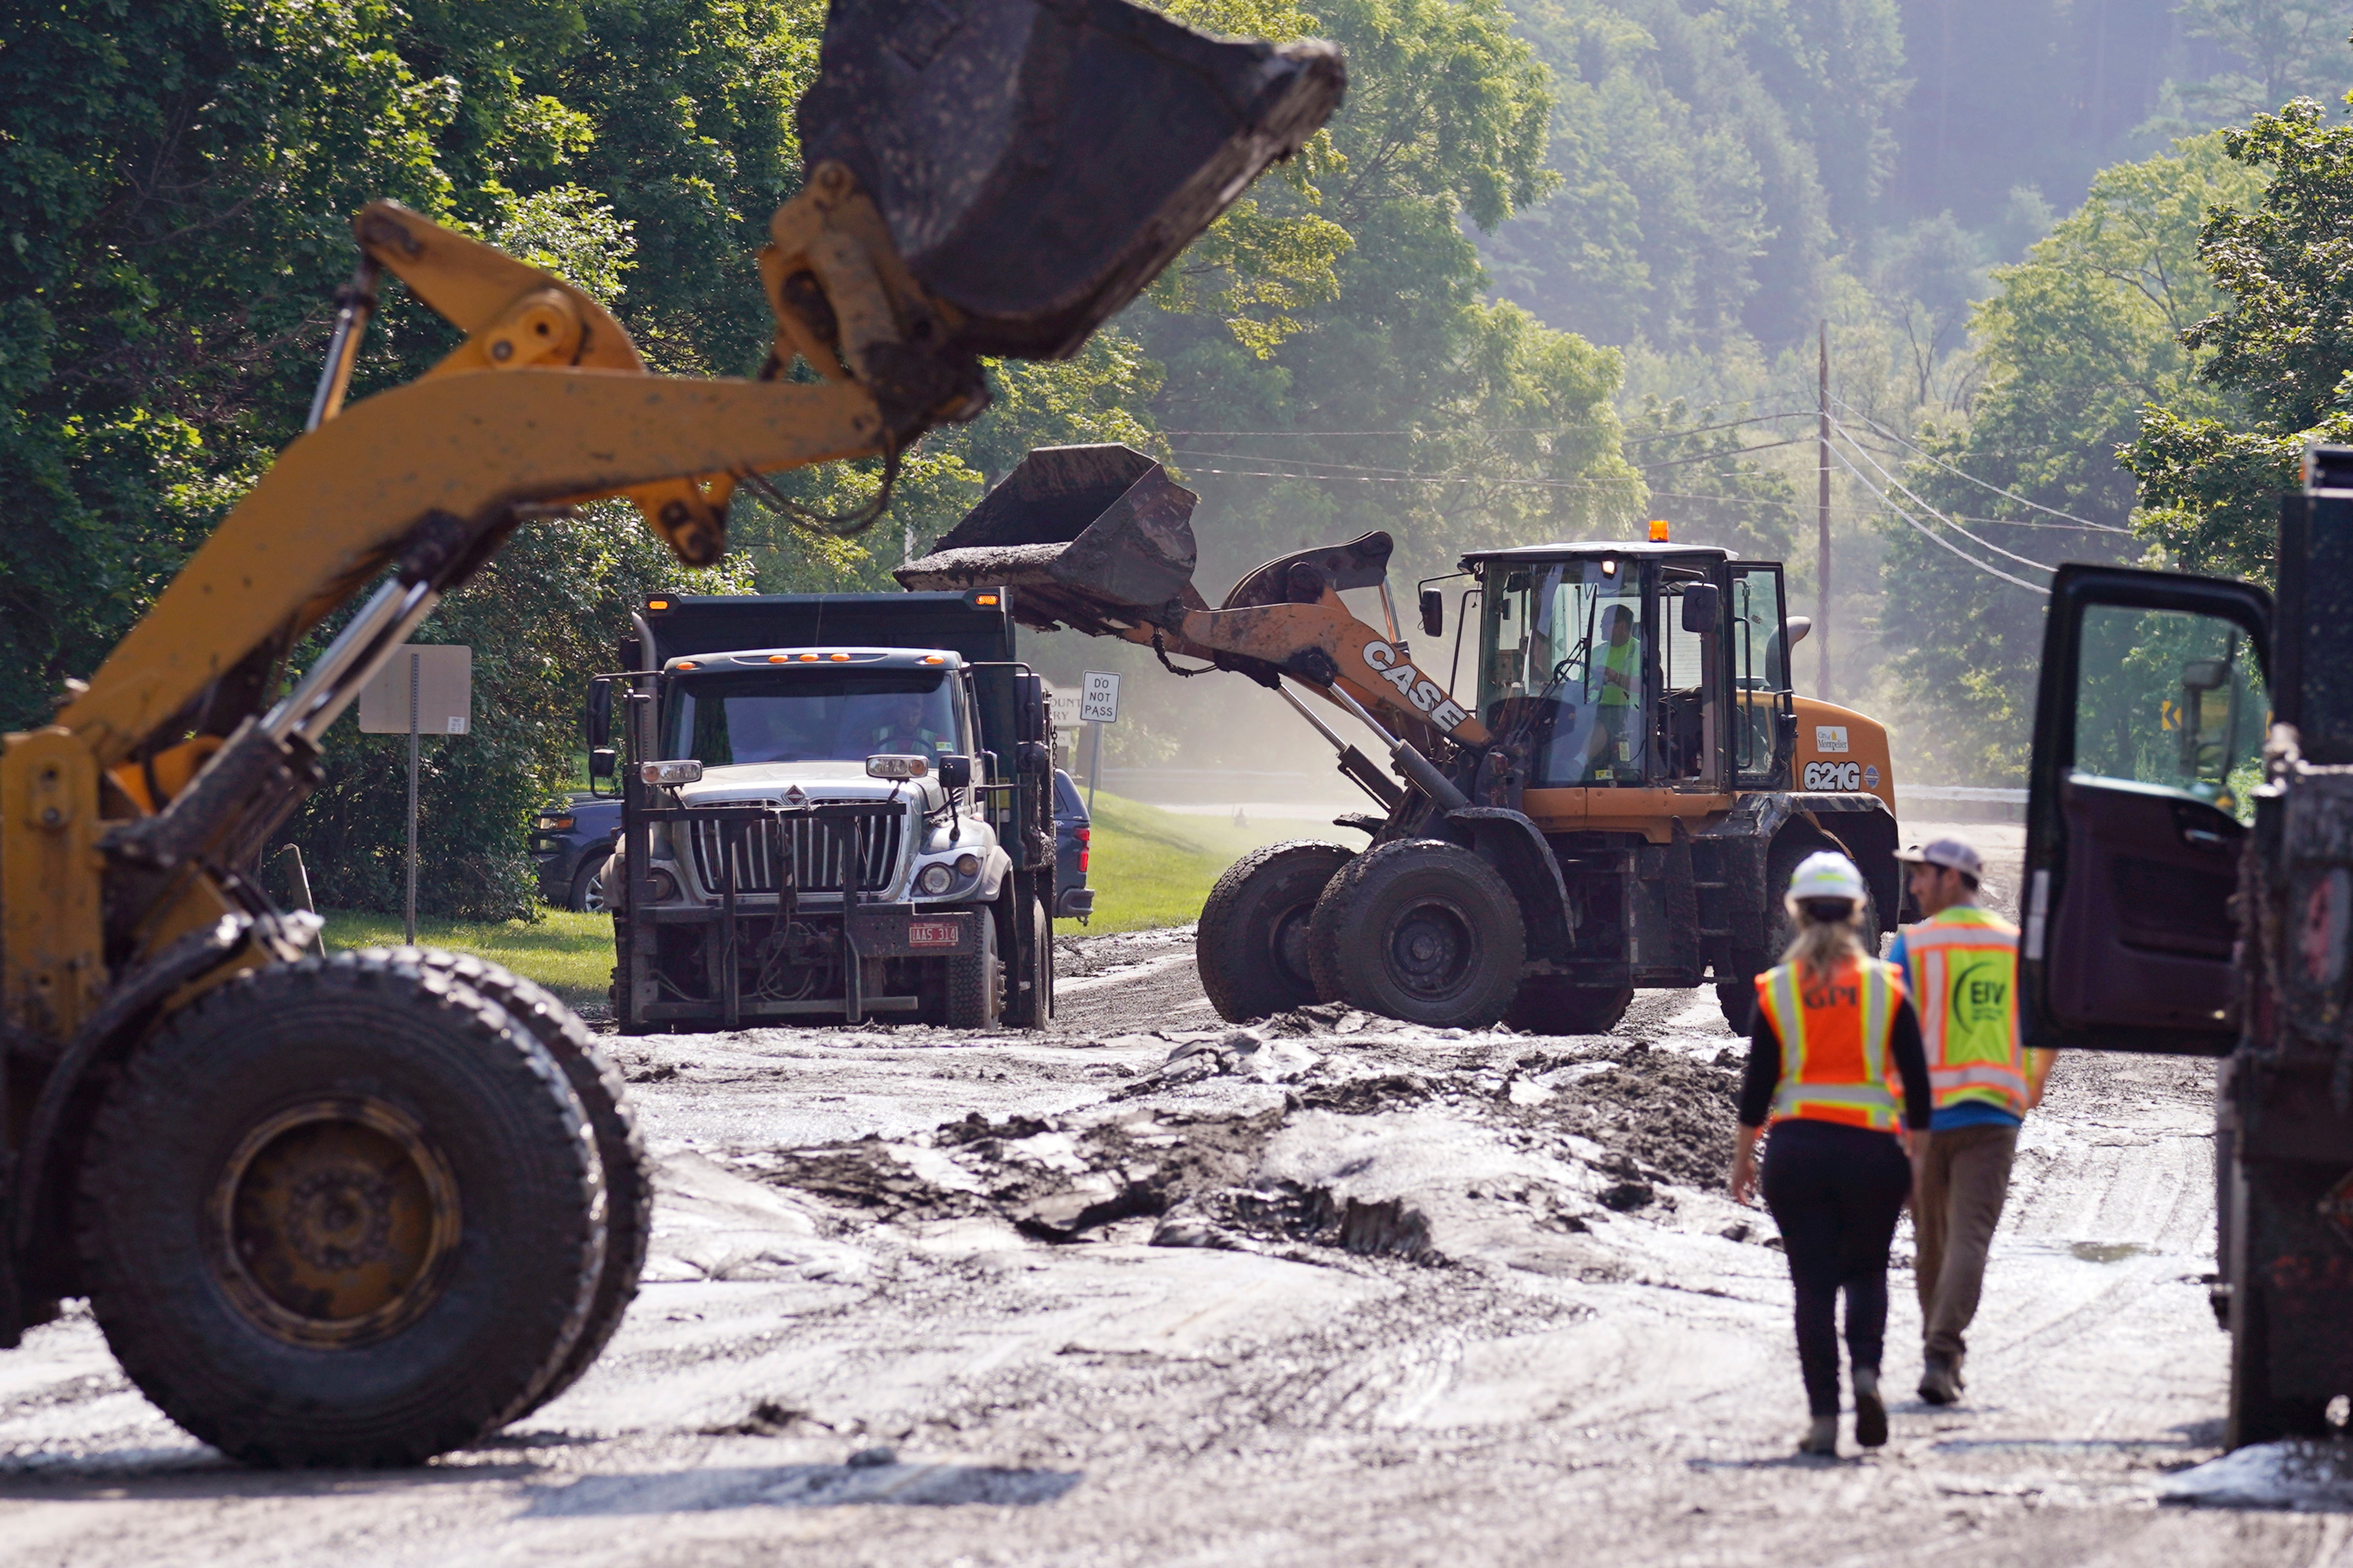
{"x":812,"y":716}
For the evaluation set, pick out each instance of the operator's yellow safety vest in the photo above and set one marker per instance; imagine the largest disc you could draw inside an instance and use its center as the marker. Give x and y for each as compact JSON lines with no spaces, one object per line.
{"x":1837,"y":1064}
{"x":1963,"y":971}
{"x":1622,"y":660}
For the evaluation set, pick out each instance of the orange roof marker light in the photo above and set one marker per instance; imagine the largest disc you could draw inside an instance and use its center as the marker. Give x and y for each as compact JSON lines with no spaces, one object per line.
{"x":839,"y":657}
{"x":686,"y":664}
{"x":1658,"y":531}
{"x":777,"y":658}
{"x":808,"y":658}
{"x":656,"y":604}
{"x":984,"y":598}
{"x":933,"y":658}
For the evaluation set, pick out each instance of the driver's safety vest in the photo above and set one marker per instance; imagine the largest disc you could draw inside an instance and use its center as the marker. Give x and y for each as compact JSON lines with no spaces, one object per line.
{"x":1837,"y":1064}
{"x":1963,"y":965}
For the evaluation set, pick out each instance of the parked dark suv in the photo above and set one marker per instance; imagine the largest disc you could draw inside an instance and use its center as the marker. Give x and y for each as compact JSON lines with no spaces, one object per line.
{"x":1074,"y":832}
{"x":571,"y":840}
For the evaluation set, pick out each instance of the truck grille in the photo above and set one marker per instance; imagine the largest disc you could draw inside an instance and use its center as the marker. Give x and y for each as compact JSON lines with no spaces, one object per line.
{"x":825,"y":848}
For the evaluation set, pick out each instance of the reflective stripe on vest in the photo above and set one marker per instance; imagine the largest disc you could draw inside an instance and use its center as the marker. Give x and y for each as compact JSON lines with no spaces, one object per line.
{"x":1963,"y":969}
{"x":1836,"y":1060}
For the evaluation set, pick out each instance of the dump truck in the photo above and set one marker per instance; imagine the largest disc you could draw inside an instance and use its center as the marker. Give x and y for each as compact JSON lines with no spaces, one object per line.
{"x":1616,"y":798}
{"x":365,"y":1208}
{"x":2190,"y":891}
{"x":834,"y":805}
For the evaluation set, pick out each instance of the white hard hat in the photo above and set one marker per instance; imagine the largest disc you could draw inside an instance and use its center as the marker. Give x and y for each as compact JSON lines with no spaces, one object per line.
{"x":1827,"y":874}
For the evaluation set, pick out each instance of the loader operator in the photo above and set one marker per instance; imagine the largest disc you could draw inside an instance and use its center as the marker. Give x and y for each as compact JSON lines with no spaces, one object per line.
{"x":1618,"y":669}
{"x":1834,"y":1059}
{"x":1961,"y":964}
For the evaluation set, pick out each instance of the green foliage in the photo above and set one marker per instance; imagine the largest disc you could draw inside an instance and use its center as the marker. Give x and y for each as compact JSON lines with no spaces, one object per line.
{"x":1708,"y":155}
{"x":2278,"y":352}
{"x":2078,"y":338}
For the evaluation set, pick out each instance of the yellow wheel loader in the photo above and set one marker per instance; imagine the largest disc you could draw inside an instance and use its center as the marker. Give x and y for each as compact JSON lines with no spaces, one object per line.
{"x":362,"y":1209}
{"x":1612,"y":794}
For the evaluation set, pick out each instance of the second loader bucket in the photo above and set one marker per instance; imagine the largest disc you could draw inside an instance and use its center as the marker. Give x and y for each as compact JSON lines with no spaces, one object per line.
{"x":1091,"y":537}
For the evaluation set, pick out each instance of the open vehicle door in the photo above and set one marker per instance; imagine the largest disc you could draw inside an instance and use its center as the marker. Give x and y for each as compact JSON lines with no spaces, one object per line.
{"x":2148,"y":747}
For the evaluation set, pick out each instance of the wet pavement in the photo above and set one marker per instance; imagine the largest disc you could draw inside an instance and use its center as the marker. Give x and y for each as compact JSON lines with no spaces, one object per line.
{"x":1151,"y":1289}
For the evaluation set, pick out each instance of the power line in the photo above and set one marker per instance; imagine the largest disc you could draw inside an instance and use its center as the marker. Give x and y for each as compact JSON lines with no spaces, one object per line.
{"x":1931,"y":537}
{"x":1982,"y":484}
{"x":1932,"y":512}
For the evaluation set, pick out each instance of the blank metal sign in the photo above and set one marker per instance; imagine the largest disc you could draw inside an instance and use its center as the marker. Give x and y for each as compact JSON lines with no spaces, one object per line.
{"x":445,"y":694}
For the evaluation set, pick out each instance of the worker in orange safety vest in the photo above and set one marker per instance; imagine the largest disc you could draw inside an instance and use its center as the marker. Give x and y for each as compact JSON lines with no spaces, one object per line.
{"x":1834,"y":1059}
{"x":1961,"y":966}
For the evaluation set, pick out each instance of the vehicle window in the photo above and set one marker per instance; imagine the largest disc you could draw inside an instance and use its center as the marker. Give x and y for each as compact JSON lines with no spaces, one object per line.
{"x":1561,"y":648}
{"x":2171,"y":698}
{"x":813,"y":716}
{"x":1760,"y":665}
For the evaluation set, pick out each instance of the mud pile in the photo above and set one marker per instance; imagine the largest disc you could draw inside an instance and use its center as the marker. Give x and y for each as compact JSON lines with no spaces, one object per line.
{"x":1320,"y":1129}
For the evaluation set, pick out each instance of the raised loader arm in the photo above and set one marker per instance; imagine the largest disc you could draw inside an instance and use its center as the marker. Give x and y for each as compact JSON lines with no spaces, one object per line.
{"x":941,"y":221}
{"x":1100,"y":538}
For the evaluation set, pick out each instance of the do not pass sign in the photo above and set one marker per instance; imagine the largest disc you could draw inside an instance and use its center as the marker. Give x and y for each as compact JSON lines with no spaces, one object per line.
{"x":1099,"y":698}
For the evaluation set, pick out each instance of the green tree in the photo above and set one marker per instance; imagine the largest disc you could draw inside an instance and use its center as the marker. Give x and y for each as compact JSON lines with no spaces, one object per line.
{"x":2277,"y":353}
{"x":2076,"y":340}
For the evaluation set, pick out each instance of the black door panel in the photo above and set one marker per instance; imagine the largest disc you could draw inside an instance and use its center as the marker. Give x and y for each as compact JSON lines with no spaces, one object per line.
{"x":2147,"y":729}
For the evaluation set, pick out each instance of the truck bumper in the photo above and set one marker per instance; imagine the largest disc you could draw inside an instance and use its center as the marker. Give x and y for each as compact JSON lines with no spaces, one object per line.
{"x":1074,"y":903}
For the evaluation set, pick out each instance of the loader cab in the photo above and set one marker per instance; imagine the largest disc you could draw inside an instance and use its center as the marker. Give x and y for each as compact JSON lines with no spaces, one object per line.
{"x":1632,"y":664}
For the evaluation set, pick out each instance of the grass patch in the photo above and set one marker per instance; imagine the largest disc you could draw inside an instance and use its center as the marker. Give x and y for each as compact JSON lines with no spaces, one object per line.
{"x":571,"y":954}
{"x":1150,"y":867}
{"x":1154,"y":867}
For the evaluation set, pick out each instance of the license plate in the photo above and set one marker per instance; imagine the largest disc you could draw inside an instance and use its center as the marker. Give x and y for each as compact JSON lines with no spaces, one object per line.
{"x":930,"y":933}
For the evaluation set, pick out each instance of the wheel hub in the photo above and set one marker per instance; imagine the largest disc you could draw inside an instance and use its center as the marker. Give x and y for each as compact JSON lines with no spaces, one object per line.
{"x":333,"y":1221}
{"x":1430,"y":949}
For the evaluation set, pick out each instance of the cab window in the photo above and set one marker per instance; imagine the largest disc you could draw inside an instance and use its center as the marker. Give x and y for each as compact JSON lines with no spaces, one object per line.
{"x":1562,"y":651}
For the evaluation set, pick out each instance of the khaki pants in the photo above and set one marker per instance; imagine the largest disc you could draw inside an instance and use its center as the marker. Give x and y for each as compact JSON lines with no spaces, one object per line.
{"x":1956,"y":1204}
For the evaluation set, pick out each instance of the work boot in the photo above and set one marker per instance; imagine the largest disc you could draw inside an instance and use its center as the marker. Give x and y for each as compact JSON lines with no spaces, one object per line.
{"x":1870,"y":1410}
{"x":1939,"y":1384}
{"x":1821,"y":1438}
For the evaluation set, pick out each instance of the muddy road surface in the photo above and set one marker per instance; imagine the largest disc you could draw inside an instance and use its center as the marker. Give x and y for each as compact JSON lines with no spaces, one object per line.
{"x":1149,"y":1289}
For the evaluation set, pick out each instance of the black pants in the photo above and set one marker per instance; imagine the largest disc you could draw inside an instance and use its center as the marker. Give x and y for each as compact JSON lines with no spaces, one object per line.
{"x":1836,"y":1192}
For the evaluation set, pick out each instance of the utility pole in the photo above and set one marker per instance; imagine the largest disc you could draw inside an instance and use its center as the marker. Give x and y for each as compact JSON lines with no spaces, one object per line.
{"x":1823,"y":520}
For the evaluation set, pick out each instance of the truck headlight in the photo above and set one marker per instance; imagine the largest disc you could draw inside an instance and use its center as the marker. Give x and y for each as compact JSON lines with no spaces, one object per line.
{"x":663,"y":886}
{"x":684,"y":770}
{"x":936,"y":877}
{"x":968,"y":865}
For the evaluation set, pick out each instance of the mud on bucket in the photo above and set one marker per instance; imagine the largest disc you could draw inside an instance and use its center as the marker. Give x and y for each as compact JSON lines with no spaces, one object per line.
{"x":1038,"y":162}
{"x":1090,"y":537}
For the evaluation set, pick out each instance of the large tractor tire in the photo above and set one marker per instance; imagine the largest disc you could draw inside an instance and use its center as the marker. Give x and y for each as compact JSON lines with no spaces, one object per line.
{"x":1737,"y":995}
{"x":1421,"y":931}
{"x":628,"y":1171}
{"x":975,"y":985}
{"x":342,"y":1212}
{"x":1251,"y":944}
{"x":1546,"y":1004}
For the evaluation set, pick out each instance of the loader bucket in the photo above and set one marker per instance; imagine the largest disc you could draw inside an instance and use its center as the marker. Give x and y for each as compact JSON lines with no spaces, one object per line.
{"x":1090,"y":537}
{"x":1038,"y":162}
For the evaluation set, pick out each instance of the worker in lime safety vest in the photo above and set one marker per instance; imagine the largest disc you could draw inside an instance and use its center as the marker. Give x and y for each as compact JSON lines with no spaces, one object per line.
{"x":1961,"y":966}
{"x":1616,"y":688}
{"x":1834,"y":1060}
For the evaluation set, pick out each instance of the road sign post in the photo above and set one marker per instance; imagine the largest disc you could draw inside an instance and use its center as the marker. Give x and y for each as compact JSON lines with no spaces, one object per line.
{"x":1099,"y":706}
{"x":424,"y":687}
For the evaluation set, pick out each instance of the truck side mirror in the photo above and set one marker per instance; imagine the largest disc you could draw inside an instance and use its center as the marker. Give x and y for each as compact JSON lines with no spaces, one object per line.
{"x":1701,"y":601}
{"x":956,"y":773}
{"x":598,"y":720}
{"x":601,"y":762}
{"x":1433,"y":613}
